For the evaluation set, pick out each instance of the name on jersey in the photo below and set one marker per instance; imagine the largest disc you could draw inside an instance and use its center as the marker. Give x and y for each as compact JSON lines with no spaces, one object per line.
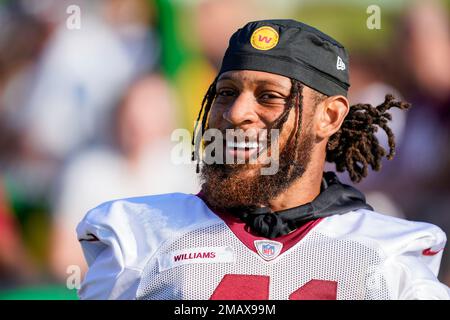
{"x":195,"y":255}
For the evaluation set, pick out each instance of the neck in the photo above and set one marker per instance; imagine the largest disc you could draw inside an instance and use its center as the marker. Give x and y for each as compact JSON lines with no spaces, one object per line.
{"x":302,"y":191}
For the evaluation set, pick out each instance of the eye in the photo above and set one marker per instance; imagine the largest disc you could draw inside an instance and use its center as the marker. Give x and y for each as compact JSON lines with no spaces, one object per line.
{"x":268,"y":96}
{"x":272,"y":98}
{"x":226,"y":93}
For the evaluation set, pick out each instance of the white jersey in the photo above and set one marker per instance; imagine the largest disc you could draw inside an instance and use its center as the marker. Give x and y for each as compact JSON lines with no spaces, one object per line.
{"x":174,"y":247}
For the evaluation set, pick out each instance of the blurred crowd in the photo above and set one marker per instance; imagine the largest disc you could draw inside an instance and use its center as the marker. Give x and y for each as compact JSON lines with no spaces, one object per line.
{"x":86,"y":114}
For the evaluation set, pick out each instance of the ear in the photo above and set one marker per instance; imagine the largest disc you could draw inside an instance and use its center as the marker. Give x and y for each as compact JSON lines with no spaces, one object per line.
{"x":330,"y":114}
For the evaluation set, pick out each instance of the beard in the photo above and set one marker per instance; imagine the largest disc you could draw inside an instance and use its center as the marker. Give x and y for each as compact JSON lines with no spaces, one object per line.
{"x":230,"y":186}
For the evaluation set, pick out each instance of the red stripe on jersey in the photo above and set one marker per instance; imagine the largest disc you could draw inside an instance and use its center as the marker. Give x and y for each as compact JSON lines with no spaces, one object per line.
{"x":247,"y":237}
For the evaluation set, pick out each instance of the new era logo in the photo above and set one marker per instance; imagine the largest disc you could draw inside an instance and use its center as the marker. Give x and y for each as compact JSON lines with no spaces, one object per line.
{"x":340,"y":65}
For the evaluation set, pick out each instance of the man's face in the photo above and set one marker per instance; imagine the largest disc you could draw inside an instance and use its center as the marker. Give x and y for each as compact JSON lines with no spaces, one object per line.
{"x":252,"y":101}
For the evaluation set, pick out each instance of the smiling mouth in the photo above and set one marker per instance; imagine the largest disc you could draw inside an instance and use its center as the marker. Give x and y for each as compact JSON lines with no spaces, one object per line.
{"x":244,"y":149}
{"x":242,"y":145}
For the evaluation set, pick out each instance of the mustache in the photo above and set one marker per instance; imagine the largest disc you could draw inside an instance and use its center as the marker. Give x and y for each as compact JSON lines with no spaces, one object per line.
{"x":220,"y":147}
{"x":260,"y":135}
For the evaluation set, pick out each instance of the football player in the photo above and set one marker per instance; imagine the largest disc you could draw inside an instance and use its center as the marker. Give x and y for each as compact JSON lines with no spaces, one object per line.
{"x":297,"y":233}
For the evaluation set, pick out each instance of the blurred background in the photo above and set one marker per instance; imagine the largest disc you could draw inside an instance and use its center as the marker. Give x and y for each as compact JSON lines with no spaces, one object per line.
{"x":86,"y":113}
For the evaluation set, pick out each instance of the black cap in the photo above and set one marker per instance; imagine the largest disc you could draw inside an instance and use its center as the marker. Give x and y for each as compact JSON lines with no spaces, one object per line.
{"x":292,"y":49}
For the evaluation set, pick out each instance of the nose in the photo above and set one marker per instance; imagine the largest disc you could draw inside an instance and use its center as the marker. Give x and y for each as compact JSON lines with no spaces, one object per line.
{"x":242,"y":111}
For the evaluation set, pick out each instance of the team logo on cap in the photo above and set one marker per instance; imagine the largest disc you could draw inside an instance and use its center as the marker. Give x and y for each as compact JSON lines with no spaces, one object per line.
{"x":264,"y":38}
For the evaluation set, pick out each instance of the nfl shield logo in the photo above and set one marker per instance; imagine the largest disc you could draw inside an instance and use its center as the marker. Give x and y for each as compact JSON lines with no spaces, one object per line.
{"x":268,"y":249}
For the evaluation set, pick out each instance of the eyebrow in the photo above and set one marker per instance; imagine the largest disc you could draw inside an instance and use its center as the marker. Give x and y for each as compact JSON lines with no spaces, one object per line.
{"x":258,"y":82}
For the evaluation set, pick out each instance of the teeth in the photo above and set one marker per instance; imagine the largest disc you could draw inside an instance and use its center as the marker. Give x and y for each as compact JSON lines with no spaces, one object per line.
{"x":242,"y":145}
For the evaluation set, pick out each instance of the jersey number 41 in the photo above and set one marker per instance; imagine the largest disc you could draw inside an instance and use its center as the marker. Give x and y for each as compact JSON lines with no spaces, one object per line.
{"x":253,"y":287}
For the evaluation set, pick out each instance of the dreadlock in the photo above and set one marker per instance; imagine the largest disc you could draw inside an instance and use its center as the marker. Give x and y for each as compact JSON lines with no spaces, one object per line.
{"x":352,"y":148}
{"x":355,"y":146}
{"x":207,"y":102}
